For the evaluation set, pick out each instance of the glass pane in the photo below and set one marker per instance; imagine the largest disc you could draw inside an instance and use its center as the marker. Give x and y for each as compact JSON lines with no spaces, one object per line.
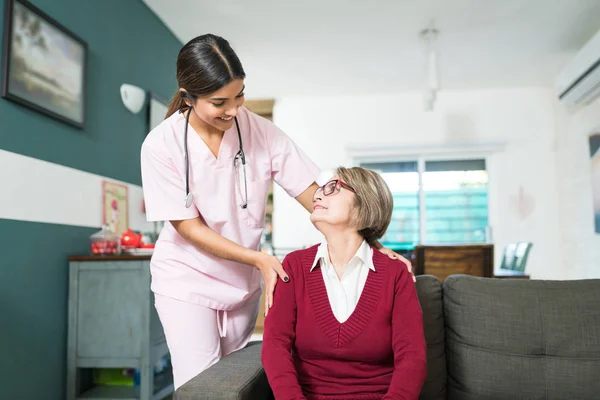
{"x":455,"y":165}
{"x":395,"y":166}
{"x":403,"y":179}
{"x":403,"y":232}
{"x":456,"y":203}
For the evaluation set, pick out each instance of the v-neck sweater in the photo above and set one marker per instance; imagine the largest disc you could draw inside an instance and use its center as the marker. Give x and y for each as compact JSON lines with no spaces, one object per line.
{"x":379,"y":352}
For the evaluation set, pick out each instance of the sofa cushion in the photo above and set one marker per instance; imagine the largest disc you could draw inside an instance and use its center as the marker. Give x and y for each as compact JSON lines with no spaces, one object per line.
{"x":429,"y":290}
{"x":518,"y":339}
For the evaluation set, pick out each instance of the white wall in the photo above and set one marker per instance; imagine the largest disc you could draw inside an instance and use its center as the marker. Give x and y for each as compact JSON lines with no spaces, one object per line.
{"x":42,"y":191}
{"x":581,"y":246}
{"x":522,"y":119}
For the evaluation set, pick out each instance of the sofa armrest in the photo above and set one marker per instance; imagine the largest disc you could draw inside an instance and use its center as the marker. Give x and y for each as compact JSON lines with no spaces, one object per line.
{"x":238,"y":376}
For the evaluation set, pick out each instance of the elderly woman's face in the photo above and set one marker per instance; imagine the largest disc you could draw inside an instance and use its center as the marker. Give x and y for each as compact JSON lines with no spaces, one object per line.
{"x":333,"y":204}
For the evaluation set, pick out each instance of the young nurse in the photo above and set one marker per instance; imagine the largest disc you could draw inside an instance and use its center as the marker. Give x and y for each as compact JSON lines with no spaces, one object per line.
{"x":206,"y":171}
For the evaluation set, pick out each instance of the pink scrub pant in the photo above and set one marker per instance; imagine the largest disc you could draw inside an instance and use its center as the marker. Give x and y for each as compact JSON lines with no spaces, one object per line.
{"x":198,"y":337}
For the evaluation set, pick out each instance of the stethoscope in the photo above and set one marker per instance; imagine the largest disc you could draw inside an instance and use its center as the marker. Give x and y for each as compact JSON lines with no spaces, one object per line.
{"x":189,"y":197}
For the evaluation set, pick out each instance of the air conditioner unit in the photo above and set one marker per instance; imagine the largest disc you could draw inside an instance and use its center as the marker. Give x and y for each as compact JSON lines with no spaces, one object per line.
{"x":578,"y":83}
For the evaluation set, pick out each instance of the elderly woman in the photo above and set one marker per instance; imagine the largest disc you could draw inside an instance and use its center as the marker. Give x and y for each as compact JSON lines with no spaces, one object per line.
{"x":349,"y":324}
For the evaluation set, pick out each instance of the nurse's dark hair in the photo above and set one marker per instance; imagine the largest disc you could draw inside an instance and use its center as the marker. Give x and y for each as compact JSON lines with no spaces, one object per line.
{"x":204,"y":65}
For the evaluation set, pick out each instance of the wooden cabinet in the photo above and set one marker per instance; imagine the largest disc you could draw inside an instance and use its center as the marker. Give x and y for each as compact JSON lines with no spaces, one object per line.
{"x":113,"y":324}
{"x":259,"y":329}
{"x":442,"y":261}
{"x":264,"y":108}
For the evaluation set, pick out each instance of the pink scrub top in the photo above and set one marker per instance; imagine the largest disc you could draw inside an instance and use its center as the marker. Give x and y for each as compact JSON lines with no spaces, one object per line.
{"x":180,"y":270}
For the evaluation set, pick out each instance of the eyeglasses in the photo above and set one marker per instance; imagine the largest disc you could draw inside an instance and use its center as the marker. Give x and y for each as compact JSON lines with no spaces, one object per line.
{"x":333,"y":187}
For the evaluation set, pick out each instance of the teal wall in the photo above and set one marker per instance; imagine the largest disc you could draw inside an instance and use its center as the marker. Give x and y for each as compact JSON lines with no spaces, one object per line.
{"x":127,"y":43}
{"x":33,"y":307}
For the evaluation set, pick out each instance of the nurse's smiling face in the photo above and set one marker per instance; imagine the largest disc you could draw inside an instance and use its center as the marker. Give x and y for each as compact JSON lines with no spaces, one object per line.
{"x":218,"y":109}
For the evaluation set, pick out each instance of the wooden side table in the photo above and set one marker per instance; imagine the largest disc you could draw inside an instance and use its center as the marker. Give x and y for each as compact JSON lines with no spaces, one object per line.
{"x":445,"y":260}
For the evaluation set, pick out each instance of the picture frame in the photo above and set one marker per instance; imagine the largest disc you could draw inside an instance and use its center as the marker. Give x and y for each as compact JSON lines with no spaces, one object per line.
{"x":595,"y":167}
{"x":157,"y":110}
{"x":115,"y":206}
{"x":44,"y":65}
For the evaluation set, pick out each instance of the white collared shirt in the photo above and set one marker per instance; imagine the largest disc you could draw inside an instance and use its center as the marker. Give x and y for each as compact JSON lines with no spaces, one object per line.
{"x":344,"y":294}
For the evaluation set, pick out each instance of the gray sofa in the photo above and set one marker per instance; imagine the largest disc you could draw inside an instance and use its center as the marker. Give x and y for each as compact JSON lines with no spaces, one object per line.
{"x":487,"y":339}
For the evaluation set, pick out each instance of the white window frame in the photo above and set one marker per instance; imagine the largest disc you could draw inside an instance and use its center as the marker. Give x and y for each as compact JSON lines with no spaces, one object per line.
{"x":362,"y":153}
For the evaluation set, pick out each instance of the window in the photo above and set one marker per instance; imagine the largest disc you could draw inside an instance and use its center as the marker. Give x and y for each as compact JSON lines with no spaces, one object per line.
{"x":436,"y":201}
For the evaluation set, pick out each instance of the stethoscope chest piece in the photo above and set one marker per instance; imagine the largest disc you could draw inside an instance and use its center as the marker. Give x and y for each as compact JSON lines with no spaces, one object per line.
{"x":189,"y":199}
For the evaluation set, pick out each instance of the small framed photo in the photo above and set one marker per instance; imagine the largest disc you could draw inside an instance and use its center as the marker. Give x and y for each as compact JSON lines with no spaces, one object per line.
{"x":44,"y":64}
{"x":115,"y":206}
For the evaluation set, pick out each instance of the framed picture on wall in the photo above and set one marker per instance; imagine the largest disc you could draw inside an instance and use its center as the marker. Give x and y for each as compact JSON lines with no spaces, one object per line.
{"x":115,"y":206}
{"x":595,"y":155}
{"x":43,"y":64}
{"x":157,"y":110}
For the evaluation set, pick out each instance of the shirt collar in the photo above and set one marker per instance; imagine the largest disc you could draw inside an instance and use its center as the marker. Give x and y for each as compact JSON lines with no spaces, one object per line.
{"x":364,"y":253}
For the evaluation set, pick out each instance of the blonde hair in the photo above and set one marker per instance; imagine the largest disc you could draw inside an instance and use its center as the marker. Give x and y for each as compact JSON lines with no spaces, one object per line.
{"x":373,"y":202}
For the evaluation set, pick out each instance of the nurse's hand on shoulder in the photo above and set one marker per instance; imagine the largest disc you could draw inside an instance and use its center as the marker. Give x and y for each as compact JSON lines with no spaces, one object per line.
{"x":396,"y":256}
{"x":271,"y":269}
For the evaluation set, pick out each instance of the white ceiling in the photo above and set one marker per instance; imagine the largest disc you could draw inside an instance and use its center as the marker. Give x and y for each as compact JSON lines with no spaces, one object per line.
{"x":336,"y":47}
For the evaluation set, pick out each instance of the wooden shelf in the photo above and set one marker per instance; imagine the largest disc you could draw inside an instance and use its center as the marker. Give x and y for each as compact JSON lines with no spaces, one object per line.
{"x":111,"y":393}
{"x":163,"y":386}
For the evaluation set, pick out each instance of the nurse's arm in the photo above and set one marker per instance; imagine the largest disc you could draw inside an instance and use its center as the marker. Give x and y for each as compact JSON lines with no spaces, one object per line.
{"x":201,"y":236}
{"x":306,"y":198}
{"x":196,"y":232}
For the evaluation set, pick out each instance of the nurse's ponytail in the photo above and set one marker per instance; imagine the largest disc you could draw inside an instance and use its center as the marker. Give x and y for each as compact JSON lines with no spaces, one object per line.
{"x":177,"y":103}
{"x":204,"y":65}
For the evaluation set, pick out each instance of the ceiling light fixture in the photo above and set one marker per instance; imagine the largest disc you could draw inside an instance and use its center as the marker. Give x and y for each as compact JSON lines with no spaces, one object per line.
{"x":429,"y":36}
